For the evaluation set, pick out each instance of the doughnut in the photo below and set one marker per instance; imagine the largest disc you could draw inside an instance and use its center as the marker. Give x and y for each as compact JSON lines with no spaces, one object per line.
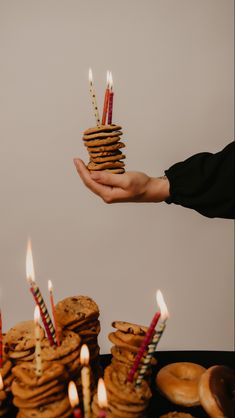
{"x":217,"y":392}
{"x":178,"y":382}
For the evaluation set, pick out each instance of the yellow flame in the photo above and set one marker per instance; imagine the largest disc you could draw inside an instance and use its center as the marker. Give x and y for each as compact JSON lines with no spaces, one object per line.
{"x":30,"y":274}
{"x":73,"y":394}
{"x":36,"y":314}
{"x":90,"y":76}
{"x":50,"y":286}
{"x":110,"y":80}
{"x":102,"y":394}
{"x":84,"y":355}
{"x":1,"y":382}
{"x":162,"y":305}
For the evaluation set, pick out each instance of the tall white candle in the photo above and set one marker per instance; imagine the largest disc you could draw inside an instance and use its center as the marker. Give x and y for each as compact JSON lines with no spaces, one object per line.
{"x":85,"y":375}
{"x":93,"y":98}
{"x":38,"y":357}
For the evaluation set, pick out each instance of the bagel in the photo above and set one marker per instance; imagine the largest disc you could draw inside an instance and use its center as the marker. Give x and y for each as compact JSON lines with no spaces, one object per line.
{"x":217,"y":392}
{"x":178,"y":382}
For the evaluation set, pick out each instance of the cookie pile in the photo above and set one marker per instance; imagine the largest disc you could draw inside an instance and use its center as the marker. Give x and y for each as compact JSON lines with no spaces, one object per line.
{"x":104,"y":148}
{"x":127,"y":340}
{"x":5,"y":389}
{"x":67,"y":354}
{"x":41,"y":397}
{"x":80,"y":314}
{"x":124,"y":400}
{"x":19,"y":344}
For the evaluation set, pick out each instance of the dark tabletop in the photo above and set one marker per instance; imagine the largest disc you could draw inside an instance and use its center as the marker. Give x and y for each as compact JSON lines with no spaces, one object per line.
{"x":159,"y":405}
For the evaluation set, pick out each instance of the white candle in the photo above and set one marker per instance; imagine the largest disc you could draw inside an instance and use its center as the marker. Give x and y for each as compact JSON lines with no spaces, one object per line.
{"x":38,"y":357}
{"x":85,"y":375}
{"x":93,"y":98}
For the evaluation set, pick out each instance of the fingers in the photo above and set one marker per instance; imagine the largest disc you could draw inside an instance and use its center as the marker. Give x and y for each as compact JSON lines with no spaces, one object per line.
{"x":84,"y":173}
{"x":110,"y":179}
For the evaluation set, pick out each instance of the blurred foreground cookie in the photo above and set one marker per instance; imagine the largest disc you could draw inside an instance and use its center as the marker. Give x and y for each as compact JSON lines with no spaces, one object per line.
{"x":105,"y":141}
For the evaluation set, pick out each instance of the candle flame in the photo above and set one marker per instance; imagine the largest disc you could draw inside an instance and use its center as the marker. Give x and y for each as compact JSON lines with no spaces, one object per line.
{"x":73,"y":394}
{"x":84,"y":355}
{"x":90,"y":76}
{"x":36,"y":314}
{"x":102,"y":394}
{"x":162,"y":305}
{"x":50,"y":286}
{"x":30,"y":274}
{"x":110,"y":80}
{"x":1,"y":383}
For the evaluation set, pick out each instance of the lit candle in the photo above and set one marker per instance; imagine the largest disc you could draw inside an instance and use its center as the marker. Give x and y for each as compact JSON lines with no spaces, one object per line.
{"x":38,"y":296}
{"x":106,"y":100}
{"x":85,"y":375}
{"x":74,"y":400}
{"x":147,"y":339}
{"x":102,"y":398}
{"x":50,"y":288}
{"x":93,"y":98}
{"x":38,"y":357}
{"x":156,"y":338}
{"x":1,"y":342}
{"x":111,"y":93}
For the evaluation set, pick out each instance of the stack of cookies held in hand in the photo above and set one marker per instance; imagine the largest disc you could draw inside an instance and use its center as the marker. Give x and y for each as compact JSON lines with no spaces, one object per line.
{"x":104,"y":148}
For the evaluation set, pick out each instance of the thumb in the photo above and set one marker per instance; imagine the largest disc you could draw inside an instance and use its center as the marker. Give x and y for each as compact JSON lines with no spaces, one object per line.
{"x":108,"y":179}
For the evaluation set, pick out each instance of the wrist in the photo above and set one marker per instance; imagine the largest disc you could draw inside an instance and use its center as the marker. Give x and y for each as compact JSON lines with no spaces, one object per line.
{"x":159,"y":189}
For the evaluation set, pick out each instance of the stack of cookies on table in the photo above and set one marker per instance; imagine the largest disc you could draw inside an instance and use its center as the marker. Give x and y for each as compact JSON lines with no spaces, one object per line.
{"x":5,"y":387}
{"x":124,"y":399}
{"x":127,"y":340}
{"x":19,"y":342}
{"x":104,"y":148}
{"x":80,"y":315}
{"x":42,"y":396}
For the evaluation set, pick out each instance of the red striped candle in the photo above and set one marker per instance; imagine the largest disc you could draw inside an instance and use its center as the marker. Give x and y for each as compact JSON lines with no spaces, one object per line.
{"x":106,"y":101}
{"x":50,"y":330}
{"x":111,"y":94}
{"x":50,"y":288}
{"x":144,"y":345}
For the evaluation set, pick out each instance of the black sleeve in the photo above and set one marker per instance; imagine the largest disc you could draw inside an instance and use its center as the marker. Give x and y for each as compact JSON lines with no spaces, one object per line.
{"x":205,"y":182}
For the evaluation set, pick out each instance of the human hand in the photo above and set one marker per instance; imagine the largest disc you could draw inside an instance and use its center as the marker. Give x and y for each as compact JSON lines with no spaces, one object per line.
{"x":126,"y":187}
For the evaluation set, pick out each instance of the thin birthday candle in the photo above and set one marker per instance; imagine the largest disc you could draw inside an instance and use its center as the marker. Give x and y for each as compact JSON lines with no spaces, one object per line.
{"x":50,"y":330}
{"x":102,"y":398}
{"x":38,"y":357}
{"x":156,"y":338}
{"x":106,"y":100}
{"x":74,"y":400}
{"x":50,"y":288}
{"x":111,"y":94}
{"x":93,"y":98}
{"x":145,"y":343}
{"x":85,"y":375}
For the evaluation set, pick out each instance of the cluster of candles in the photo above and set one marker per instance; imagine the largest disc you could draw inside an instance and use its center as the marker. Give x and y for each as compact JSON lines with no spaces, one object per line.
{"x":136,"y":372}
{"x":108,"y":100}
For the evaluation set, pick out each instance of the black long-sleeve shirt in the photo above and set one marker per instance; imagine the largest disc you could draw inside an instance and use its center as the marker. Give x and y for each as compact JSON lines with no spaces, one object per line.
{"x":205,"y":182}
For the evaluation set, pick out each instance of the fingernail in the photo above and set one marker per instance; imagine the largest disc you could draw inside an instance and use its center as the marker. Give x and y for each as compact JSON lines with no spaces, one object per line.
{"x":75,"y":160}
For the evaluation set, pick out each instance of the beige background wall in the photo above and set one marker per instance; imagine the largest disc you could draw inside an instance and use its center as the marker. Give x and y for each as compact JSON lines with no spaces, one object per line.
{"x":172,"y":63}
